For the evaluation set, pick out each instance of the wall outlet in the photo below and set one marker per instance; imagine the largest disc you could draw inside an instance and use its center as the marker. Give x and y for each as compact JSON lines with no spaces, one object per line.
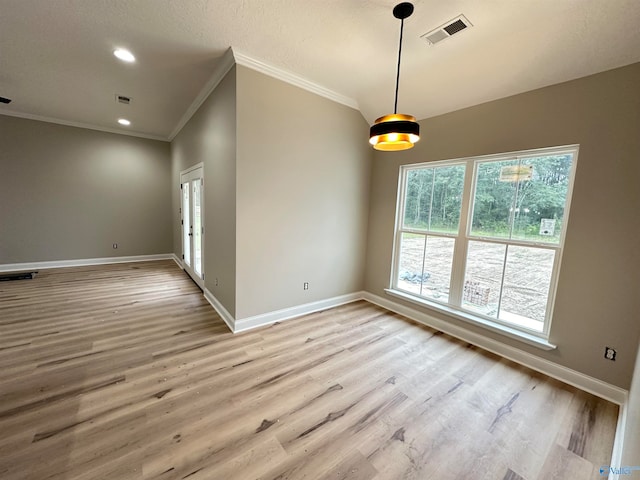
{"x":115,"y":245}
{"x":610,"y":354}
{"x":305,"y":286}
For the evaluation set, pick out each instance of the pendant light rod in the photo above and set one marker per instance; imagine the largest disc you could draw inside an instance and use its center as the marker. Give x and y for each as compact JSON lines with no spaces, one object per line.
{"x":395,"y":104}
{"x":400,"y":11}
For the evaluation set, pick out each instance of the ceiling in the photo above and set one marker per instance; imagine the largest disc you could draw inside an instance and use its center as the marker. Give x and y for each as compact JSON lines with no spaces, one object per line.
{"x":56,"y":59}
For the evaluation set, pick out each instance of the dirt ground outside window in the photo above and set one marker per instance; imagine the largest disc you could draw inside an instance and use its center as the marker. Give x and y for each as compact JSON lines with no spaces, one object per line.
{"x":526,"y":277}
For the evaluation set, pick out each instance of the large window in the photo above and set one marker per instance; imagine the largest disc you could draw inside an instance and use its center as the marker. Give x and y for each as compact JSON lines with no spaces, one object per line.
{"x":483,"y":236}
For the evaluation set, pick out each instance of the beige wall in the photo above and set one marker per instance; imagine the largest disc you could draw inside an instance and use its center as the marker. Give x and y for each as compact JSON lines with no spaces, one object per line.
{"x":597,"y":301}
{"x":68,"y":193}
{"x":210,"y":137}
{"x":303,"y":166}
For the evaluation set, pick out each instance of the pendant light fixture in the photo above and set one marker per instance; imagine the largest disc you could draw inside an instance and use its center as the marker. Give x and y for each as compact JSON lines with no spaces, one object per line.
{"x":396,"y":131}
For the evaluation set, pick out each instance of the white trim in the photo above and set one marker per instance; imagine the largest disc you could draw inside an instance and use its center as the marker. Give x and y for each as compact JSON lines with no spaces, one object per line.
{"x":89,"y":126}
{"x":175,"y":258}
{"x":572,"y":377}
{"x":227,"y":61}
{"x":191,"y":169}
{"x":12,"y":267}
{"x":618,"y":440}
{"x":464,"y":236}
{"x":218,"y":307}
{"x":188,"y":176}
{"x":516,"y":334}
{"x":292,"y":79}
{"x":222,"y":68}
{"x":270,"y":318}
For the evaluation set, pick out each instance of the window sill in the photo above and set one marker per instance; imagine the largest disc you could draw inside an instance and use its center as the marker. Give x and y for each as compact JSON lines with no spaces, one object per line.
{"x":513,"y":333}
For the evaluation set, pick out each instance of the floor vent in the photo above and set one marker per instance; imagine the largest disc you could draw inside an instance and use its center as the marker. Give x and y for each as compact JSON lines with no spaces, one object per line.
{"x":447,"y":30}
{"x":5,"y":277}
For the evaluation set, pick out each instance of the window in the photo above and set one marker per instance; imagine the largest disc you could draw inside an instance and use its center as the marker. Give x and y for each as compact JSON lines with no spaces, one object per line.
{"x":483,"y":236}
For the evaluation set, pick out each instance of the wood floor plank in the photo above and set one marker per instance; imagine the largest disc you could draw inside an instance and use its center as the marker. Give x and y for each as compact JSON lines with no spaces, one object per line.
{"x":125,"y":372}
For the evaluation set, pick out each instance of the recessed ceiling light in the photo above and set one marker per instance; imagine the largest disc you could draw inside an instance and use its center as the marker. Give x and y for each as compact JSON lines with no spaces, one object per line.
{"x":124,"y":121}
{"x":124,"y":55}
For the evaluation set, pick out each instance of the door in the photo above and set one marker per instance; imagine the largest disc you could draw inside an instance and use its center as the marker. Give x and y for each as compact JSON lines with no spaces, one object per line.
{"x":192,"y":189}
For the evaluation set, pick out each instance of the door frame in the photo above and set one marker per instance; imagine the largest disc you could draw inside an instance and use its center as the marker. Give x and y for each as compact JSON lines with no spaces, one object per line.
{"x":199,"y":280}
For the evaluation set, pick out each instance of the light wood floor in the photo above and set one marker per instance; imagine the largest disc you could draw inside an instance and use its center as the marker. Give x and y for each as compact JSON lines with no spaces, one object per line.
{"x":125,"y":372}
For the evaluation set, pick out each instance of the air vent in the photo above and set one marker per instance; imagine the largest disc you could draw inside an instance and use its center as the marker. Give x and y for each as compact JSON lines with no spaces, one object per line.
{"x":123,"y":99}
{"x":455,"y":27}
{"x":5,"y":100}
{"x":447,"y":30}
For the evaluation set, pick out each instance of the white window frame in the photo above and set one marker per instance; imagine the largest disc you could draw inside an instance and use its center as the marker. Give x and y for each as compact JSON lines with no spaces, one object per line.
{"x":454,"y":305}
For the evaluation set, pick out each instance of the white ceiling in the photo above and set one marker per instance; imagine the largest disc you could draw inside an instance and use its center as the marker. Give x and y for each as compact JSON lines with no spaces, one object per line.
{"x":56,"y":59}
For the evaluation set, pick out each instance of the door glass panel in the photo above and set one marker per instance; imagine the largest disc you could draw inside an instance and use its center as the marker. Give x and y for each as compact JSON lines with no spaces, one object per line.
{"x":186,"y":223}
{"x":197,"y":227}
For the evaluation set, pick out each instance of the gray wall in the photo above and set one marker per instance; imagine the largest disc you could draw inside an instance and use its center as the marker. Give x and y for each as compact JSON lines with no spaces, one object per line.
{"x":597,"y":302}
{"x":303,"y":166}
{"x":210,"y":137}
{"x":68,"y":193}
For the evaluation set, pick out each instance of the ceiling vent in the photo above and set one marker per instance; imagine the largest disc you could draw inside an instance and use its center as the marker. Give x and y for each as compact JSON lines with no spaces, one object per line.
{"x":447,"y":30}
{"x":123,"y":99}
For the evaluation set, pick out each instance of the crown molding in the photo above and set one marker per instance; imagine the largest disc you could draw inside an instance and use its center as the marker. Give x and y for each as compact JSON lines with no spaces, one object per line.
{"x":225,"y":64}
{"x":230,"y":58}
{"x":291,"y":78}
{"x":68,"y":123}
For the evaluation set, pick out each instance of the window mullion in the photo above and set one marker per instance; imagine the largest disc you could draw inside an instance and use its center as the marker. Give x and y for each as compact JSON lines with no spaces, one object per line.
{"x":402,"y":185}
{"x":460,"y":249}
{"x":551,"y":296}
{"x":424,"y":261}
{"x":504,"y":269}
{"x":433,"y":187}
{"x":514,"y":204}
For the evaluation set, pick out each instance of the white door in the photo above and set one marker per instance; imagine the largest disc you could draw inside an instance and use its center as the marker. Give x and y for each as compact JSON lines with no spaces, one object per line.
{"x":192,"y":189}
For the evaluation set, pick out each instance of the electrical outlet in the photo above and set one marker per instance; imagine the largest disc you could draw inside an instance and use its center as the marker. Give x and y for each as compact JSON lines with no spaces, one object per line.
{"x":610,"y":354}
{"x":115,"y":245}
{"x":305,"y":286}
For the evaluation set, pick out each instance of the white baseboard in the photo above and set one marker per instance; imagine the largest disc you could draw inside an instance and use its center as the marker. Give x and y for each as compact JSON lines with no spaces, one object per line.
{"x":270,"y":318}
{"x":223,"y":312}
{"x":13,"y":267}
{"x":572,"y":377}
{"x":584,"y":382}
{"x":175,"y":258}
